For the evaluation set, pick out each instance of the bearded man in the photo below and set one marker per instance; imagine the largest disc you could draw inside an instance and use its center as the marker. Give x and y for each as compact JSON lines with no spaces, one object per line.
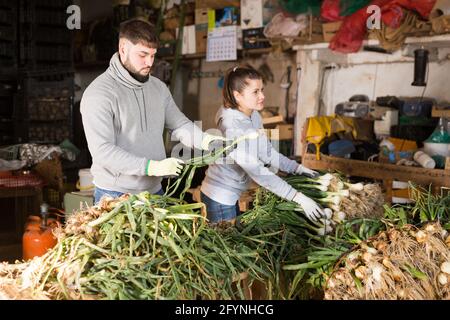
{"x":125,"y":111}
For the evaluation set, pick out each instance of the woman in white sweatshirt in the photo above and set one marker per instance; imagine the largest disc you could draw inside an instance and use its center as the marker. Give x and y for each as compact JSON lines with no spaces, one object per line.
{"x":255,"y":160}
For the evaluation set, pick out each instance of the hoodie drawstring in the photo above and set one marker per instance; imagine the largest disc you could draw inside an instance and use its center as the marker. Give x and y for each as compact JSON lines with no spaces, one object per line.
{"x":145,"y":113}
{"x":140,"y":110}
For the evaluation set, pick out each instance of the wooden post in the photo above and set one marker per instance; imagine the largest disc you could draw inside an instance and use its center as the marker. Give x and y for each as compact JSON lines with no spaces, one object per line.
{"x":436,"y":189}
{"x":388,"y":186}
{"x":309,"y":71}
{"x":304,"y":144}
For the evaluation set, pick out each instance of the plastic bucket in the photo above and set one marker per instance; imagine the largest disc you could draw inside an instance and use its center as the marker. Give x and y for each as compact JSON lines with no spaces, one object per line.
{"x":437,"y":149}
{"x":85,"y":181}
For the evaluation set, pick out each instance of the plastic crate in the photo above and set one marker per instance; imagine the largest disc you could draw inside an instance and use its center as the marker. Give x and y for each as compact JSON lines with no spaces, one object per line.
{"x":10,"y":153}
{"x":6,"y":110}
{"x":8,"y":16}
{"x":8,"y":87}
{"x":53,"y":53}
{"x":53,"y":197}
{"x":6,"y":127}
{"x":37,"y":56}
{"x":49,"y":109}
{"x":20,"y":180}
{"x":56,"y":83}
{"x":9,"y":4}
{"x":8,"y":33}
{"x":46,"y":34}
{"x":52,"y":3}
{"x":51,"y":133}
{"x":35,"y":15}
{"x":7,"y":50}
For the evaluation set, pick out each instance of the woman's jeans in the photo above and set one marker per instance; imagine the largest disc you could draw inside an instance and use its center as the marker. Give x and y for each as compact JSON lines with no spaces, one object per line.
{"x":217,"y":212}
{"x":99,"y":193}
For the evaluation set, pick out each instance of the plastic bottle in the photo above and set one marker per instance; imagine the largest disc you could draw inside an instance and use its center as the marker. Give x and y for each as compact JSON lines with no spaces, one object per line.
{"x":388,"y":144}
{"x":424,"y":160}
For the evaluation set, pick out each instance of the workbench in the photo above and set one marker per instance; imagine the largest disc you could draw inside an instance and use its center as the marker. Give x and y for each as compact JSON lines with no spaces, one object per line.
{"x":384,"y":172}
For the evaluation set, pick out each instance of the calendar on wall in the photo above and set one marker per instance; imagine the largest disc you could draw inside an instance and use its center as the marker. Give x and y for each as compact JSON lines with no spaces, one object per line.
{"x":222,"y":44}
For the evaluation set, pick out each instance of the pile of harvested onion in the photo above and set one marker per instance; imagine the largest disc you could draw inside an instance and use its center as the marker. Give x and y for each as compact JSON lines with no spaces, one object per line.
{"x":401,"y":263}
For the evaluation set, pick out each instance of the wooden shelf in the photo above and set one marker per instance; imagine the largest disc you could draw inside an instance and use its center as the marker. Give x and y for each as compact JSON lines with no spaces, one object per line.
{"x":378,"y":170}
{"x":385,"y":172}
{"x":442,"y":40}
{"x":241,"y":53}
{"x":322,"y":52}
{"x":437,"y":113}
{"x":381,"y":171}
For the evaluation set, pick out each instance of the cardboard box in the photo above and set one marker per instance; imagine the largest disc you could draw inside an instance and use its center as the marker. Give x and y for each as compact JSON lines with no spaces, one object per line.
{"x":173,"y":23}
{"x":201,"y":16}
{"x":188,"y":45}
{"x":73,"y":201}
{"x":216,"y":4}
{"x":273,"y":120}
{"x":330,"y":29}
{"x":282,"y":131}
{"x":440,"y":112}
{"x":201,"y":38}
{"x":285,"y":131}
{"x":251,"y":14}
{"x":227,"y":16}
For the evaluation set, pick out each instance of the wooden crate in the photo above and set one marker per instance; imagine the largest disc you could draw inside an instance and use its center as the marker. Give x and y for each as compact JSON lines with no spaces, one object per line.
{"x":216,"y":4}
{"x":439,"y":112}
{"x":245,"y":201}
{"x":330,"y":29}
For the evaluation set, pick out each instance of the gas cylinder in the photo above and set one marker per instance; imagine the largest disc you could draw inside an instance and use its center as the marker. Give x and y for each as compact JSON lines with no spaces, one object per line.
{"x":38,"y":236}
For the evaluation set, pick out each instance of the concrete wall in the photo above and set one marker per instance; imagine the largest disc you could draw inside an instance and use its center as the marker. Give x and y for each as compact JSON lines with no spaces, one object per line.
{"x":375,"y":80}
{"x":204,"y":97}
{"x":369,"y":73}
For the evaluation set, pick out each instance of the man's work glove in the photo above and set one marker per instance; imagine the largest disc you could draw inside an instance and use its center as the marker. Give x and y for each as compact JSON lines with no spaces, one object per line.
{"x":302,"y":170}
{"x":311,"y":209}
{"x":211,"y":142}
{"x":166,"y":167}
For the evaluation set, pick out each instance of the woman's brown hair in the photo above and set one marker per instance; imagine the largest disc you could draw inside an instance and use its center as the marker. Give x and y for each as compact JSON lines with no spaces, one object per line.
{"x":236,"y":80}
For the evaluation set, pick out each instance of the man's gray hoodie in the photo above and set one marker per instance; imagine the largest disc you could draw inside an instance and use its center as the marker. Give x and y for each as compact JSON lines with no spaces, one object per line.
{"x":123,"y":121}
{"x":225,"y":182}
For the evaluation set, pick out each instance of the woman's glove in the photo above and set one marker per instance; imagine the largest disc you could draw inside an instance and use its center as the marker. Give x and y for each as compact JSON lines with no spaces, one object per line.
{"x":302,"y":170}
{"x":311,"y":209}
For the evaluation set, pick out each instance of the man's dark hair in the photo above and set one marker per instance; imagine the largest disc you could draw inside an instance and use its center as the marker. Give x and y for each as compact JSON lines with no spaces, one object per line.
{"x":139,"y":31}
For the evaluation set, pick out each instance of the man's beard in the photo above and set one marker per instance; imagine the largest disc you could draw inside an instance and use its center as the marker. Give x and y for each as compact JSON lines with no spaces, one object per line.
{"x":133,"y":72}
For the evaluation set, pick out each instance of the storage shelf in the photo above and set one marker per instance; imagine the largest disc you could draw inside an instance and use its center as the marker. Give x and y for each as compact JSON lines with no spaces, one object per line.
{"x":241,"y":53}
{"x":442,"y":40}
{"x":380,"y":171}
{"x":437,"y":113}
{"x":385,"y":172}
